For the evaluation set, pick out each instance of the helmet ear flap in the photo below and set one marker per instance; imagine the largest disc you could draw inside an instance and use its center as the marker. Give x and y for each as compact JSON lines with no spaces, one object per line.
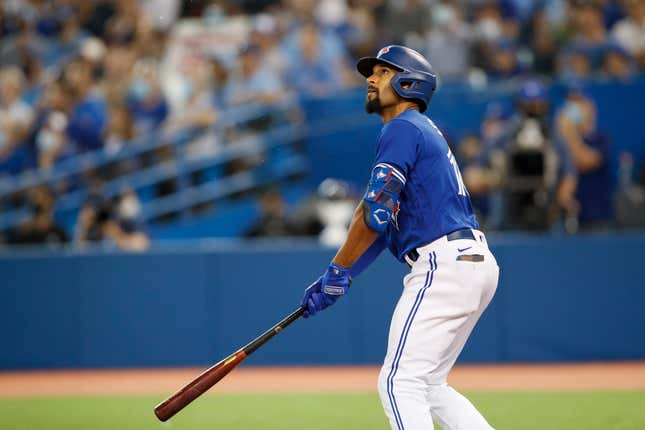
{"x":414,"y":86}
{"x":409,"y":85}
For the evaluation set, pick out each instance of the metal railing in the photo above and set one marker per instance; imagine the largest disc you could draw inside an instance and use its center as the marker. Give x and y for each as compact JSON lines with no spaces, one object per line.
{"x":283,"y":133}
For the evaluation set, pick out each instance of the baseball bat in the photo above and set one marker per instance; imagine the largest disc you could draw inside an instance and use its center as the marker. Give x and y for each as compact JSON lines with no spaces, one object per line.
{"x":215,"y":373}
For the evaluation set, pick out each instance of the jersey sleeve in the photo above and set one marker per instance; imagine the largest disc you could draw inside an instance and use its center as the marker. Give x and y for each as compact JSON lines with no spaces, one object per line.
{"x":398,"y":148}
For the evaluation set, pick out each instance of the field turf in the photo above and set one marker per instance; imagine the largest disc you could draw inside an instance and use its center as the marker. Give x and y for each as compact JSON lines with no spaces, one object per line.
{"x":506,"y":410}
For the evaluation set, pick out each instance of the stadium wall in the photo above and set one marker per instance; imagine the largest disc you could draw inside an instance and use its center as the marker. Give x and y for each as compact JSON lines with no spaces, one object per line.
{"x":560,"y":299}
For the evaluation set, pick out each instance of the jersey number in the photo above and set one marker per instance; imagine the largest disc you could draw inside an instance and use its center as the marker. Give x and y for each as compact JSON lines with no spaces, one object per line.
{"x":453,"y":162}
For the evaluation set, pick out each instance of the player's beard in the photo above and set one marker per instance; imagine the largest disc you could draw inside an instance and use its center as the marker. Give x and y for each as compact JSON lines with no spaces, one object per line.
{"x":373,"y":105}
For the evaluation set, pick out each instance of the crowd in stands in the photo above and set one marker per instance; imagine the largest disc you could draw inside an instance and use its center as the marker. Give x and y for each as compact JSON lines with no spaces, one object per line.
{"x":79,"y":76}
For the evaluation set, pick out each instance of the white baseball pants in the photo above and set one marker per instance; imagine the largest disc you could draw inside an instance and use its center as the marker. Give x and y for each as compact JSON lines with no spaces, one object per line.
{"x":443,"y":296}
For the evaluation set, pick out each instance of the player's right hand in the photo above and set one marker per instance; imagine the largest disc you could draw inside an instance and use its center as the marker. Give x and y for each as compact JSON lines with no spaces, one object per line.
{"x":315,"y":300}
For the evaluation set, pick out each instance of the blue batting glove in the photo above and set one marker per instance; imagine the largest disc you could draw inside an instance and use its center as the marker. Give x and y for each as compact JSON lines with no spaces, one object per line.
{"x":314,"y":299}
{"x":336,"y":281}
{"x":326,"y":290}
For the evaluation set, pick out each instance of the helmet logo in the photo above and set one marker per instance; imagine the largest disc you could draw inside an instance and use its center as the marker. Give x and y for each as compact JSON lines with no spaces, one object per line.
{"x":383,"y":51}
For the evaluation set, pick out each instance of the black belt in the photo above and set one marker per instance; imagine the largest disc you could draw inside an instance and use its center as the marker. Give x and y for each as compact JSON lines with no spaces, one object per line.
{"x":465,"y":233}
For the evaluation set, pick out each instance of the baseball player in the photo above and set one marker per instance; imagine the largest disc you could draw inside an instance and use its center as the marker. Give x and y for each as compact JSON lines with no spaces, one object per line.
{"x":416,"y":205}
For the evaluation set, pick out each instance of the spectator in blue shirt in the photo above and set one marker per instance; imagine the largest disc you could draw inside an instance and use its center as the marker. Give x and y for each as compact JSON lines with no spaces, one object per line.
{"x":311,"y":74}
{"x":146,"y":101}
{"x":575,"y":63}
{"x":88,"y":115}
{"x":618,"y":65}
{"x":253,"y":83}
{"x":16,"y":118}
{"x":504,"y":63}
{"x":590,"y":151}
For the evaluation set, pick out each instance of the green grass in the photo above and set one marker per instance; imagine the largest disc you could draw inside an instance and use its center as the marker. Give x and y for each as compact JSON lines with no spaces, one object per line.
{"x":516,"y":411}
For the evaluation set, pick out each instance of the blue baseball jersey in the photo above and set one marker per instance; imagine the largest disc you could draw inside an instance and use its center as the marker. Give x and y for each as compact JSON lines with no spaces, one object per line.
{"x":434,"y":200}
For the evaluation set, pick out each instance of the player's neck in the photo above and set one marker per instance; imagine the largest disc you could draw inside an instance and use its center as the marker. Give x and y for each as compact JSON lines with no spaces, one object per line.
{"x":391,"y":112}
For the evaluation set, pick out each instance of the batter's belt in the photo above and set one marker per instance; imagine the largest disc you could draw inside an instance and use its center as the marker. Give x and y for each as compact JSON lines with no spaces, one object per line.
{"x":462,"y":234}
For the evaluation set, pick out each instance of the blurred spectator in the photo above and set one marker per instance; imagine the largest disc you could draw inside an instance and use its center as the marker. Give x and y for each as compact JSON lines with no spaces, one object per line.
{"x":530,"y":171}
{"x":161,"y":14}
{"x":331,"y":47}
{"x":48,"y":141}
{"x":590,"y":151}
{"x":220,"y":79}
{"x":617,"y":65}
{"x":273,"y":220}
{"x":359,"y":30}
{"x":266,"y":35}
{"x":35,"y":77}
{"x":51,"y":140}
{"x":312,"y":74}
{"x":468,"y":153}
{"x":120,"y":129}
{"x":146,"y":101}
{"x":125,"y":230}
{"x":93,"y":52}
{"x":448,"y":41}
{"x":41,"y":229}
{"x":16,"y":118}
{"x":120,"y":28}
{"x":543,"y":43}
{"x":60,"y":50}
{"x":630,"y":31}
{"x":469,"y":150}
{"x":112,"y":223}
{"x":88,"y":115}
{"x":117,"y":65}
{"x":253,"y":83}
{"x":91,"y":220}
{"x":574,"y":63}
{"x":495,"y":117}
{"x":587,"y":23}
{"x":408,"y":20}
{"x":630,"y":196}
{"x":198,"y":110}
{"x":504,"y":62}
{"x":490,"y":26}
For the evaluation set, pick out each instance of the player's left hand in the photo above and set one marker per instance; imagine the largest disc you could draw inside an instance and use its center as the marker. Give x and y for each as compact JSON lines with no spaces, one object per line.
{"x":336,"y":281}
{"x":326,"y":290}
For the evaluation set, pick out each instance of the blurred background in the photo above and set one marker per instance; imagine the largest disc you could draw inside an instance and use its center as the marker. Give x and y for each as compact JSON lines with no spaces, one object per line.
{"x":166,"y":164}
{"x":127,"y":123}
{"x":174,"y":173}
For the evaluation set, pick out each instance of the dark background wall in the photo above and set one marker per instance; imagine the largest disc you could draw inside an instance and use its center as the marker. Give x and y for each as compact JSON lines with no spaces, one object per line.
{"x":560,"y":299}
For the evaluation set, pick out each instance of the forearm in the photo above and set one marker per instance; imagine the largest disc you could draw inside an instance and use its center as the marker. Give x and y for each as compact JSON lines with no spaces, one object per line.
{"x":368,"y":256}
{"x":584,"y":157}
{"x":359,"y":238}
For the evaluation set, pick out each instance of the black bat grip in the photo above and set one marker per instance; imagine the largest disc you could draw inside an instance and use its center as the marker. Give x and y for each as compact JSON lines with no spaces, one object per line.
{"x":264,"y":337}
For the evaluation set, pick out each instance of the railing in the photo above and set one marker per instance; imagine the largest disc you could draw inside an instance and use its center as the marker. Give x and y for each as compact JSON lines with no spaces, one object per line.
{"x":284,"y":133}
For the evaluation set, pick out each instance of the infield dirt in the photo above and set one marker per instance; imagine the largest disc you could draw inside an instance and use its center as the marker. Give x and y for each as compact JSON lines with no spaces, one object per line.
{"x":516,"y":377}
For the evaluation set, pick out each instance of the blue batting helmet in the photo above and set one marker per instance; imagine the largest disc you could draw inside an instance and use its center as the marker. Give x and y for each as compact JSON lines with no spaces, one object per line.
{"x":415,"y":72}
